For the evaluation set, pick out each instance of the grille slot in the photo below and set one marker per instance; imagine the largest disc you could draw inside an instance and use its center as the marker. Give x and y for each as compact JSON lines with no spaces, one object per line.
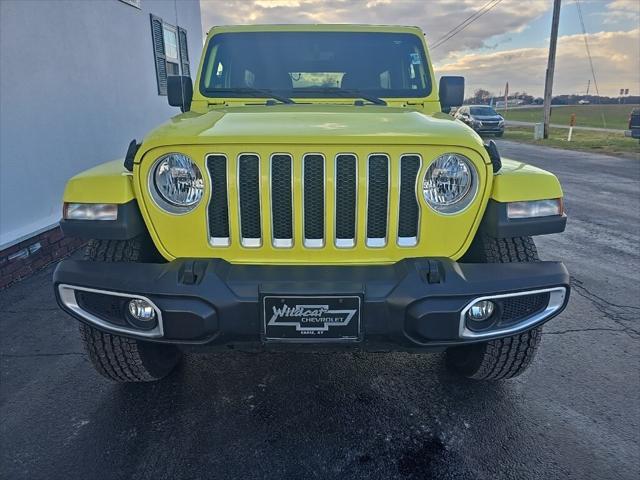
{"x":346,"y":193}
{"x":409,"y":211}
{"x":249,"y":191}
{"x":282,"y":200}
{"x":219,"y":204}
{"x":377,"y":200}
{"x":313,"y":200}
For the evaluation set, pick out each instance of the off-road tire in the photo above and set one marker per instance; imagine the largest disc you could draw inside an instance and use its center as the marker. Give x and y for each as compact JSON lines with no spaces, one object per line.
{"x":123,"y":359}
{"x":505,"y":357}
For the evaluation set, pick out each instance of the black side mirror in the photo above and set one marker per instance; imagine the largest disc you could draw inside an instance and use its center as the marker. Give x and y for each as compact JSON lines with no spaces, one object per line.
{"x":180,"y":92}
{"x":451,"y":92}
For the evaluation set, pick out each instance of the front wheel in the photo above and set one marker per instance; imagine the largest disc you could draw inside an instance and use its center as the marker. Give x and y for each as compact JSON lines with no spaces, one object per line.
{"x":505,"y":357}
{"x":123,"y":359}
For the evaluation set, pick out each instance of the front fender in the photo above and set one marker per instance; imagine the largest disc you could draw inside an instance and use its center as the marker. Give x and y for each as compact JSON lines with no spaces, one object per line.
{"x":517,"y":181}
{"x":107,"y":183}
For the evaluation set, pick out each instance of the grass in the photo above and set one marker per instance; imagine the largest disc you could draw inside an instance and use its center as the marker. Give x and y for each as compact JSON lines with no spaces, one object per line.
{"x":600,"y":116}
{"x":608,"y":143}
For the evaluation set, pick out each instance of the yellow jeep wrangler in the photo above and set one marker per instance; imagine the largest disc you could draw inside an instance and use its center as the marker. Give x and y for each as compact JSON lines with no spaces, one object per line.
{"x":313,"y":194}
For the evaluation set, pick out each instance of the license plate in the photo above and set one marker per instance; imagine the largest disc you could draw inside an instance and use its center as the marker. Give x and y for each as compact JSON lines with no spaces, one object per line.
{"x":324,"y":318}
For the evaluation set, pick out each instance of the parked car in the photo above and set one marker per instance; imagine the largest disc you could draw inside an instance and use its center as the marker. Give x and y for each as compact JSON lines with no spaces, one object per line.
{"x":482,"y":118}
{"x":634,"y":124}
{"x":279,"y":213}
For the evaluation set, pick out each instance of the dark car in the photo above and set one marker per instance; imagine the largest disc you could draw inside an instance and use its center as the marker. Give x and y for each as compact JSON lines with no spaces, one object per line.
{"x":634,"y":124}
{"x":482,"y":118}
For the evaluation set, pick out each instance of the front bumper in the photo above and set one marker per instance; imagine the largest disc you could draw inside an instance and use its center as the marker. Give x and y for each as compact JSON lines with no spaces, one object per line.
{"x":415,"y":304}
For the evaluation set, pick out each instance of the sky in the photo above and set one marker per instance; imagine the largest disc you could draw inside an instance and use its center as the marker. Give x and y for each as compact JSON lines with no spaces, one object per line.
{"x":508,"y":43}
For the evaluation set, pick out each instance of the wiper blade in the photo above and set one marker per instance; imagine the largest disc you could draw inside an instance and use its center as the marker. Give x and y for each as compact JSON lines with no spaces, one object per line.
{"x":347,"y":93}
{"x":253,"y":92}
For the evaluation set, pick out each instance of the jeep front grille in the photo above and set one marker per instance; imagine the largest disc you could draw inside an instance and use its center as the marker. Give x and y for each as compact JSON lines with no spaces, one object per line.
{"x":316,"y":173}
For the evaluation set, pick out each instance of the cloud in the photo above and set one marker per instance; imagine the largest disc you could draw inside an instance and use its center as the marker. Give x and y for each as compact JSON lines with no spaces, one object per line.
{"x":435,"y":17}
{"x":621,"y":10}
{"x":616,"y":58}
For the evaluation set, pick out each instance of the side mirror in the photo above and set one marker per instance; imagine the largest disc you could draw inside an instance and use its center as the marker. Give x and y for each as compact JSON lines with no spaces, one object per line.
{"x":451,"y":92}
{"x":180,"y":92}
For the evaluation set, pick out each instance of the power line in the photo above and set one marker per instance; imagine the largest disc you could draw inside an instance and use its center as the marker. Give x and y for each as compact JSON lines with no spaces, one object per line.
{"x":586,"y":44}
{"x":464,"y":21}
{"x":486,"y":8}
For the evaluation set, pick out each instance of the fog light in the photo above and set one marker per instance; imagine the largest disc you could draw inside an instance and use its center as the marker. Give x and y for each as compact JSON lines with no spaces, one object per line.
{"x":141,"y":310}
{"x":481,"y":311}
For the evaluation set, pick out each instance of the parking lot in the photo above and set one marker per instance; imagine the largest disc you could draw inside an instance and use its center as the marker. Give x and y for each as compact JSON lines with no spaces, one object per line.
{"x":574,"y":414}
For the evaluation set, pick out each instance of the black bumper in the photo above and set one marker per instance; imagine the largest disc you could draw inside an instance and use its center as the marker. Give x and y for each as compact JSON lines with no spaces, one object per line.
{"x":415,"y":304}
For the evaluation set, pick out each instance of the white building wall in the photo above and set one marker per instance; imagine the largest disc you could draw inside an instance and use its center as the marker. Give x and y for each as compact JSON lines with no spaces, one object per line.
{"x":77,"y":84}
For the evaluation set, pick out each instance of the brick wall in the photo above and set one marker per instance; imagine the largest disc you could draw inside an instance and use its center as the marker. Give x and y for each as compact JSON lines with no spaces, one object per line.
{"x":29,"y":256}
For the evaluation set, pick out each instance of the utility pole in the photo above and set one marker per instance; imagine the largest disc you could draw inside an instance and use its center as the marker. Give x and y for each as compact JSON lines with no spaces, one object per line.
{"x":551,"y":65}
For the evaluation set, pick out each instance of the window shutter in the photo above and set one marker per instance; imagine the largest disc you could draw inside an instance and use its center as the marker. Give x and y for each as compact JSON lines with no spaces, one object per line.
{"x":184,"y":51}
{"x":157,"y":37}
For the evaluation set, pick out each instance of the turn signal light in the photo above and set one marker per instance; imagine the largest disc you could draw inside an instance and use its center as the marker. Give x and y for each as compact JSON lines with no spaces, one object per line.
{"x":90,"y":211}
{"x":535,"y":208}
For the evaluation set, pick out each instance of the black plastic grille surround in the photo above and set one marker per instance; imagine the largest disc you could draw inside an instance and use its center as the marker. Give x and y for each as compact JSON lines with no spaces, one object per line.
{"x":249,"y":184}
{"x":346,"y":193}
{"x":281,"y":196}
{"x":520,"y":307}
{"x":409,"y":208}
{"x":313,"y":197}
{"x":377,"y":202}
{"x":218,"y":206}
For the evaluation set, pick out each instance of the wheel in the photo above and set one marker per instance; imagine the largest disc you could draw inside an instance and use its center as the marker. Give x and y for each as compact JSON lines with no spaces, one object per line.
{"x":505,"y":357}
{"x":123,"y":359}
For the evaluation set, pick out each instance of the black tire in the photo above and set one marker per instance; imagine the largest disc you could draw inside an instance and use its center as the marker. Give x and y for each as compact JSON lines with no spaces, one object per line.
{"x":119,"y":358}
{"x":505,"y":357}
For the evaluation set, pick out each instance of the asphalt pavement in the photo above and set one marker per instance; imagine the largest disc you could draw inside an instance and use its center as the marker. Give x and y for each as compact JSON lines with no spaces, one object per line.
{"x":574,"y":414}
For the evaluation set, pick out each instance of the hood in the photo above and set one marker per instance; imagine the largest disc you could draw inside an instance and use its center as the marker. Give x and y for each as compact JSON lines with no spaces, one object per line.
{"x":313,"y":124}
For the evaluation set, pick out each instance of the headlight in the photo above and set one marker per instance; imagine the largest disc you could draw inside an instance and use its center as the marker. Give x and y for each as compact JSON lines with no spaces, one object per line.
{"x":501,"y":123}
{"x":176,"y":183}
{"x":450,"y":183}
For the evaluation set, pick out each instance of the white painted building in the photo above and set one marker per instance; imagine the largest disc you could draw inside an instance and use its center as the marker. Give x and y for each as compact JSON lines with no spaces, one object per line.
{"x":78,"y":81}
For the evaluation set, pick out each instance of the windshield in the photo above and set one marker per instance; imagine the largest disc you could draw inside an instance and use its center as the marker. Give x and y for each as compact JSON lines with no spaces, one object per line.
{"x":483,"y":111}
{"x":316,"y":64}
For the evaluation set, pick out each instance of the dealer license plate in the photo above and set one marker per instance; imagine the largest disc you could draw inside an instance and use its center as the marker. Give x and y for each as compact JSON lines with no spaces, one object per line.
{"x":323,"y":318}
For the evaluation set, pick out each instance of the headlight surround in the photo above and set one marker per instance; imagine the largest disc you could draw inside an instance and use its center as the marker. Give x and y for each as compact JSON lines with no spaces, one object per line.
{"x":450,"y":183}
{"x":176,"y":183}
